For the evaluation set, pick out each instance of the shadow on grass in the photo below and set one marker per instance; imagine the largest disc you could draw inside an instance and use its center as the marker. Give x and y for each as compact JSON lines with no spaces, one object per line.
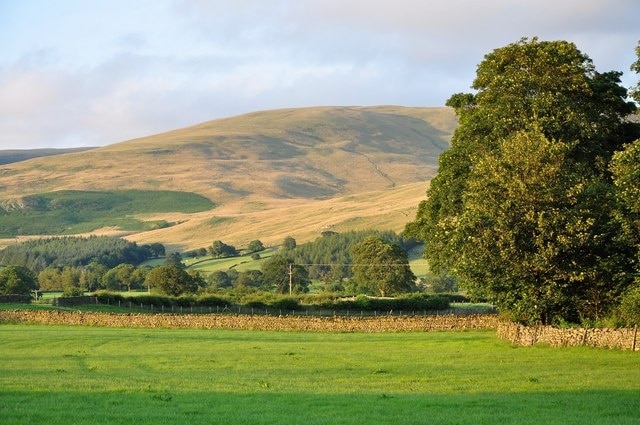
{"x":174,"y":407}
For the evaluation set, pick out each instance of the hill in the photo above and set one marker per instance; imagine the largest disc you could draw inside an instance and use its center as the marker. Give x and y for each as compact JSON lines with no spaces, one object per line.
{"x":270,"y":174}
{"x":8,"y":156}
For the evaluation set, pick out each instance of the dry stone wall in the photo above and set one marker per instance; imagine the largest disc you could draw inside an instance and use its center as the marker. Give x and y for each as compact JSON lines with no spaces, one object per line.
{"x":625,"y":339}
{"x":257,"y":322}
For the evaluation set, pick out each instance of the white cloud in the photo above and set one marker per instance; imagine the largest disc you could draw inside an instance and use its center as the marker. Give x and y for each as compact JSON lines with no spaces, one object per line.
{"x":78,"y":73}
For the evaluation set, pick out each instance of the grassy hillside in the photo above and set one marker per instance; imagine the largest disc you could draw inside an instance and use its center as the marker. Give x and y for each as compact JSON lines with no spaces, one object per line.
{"x":16,"y":155}
{"x":271,"y":174}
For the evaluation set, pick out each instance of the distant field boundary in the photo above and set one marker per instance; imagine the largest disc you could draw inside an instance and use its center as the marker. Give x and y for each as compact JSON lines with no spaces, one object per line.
{"x":254,"y":322}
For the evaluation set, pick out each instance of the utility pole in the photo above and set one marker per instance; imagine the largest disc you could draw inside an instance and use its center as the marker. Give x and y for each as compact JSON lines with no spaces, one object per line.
{"x":290,"y":278}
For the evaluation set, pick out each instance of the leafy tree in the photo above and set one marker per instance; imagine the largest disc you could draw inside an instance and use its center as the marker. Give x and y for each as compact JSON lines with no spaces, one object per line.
{"x":91,"y":275}
{"x":123,"y":275}
{"x":635,"y":92}
{"x":70,"y":279}
{"x":289,"y":243}
{"x":255,"y":246}
{"x":220,"y":249}
{"x":625,"y":168}
{"x":174,"y":259}
{"x":548,"y":99}
{"x":219,"y":280}
{"x":533,"y":238}
{"x":17,"y":280}
{"x":280,"y":274}
{"x":551,"y":84}
{"x":171,"y":280}
{"x":629,"y":309}
{"x":156,"y":249}
{"x":382,"y":266}
{"x":50,"y":279}
{"x":249,"y":279}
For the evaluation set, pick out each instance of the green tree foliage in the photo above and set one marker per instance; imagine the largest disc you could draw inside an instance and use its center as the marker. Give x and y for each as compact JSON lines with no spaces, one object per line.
{"x":219,"y":279}
{"x":255,"y":246}
{"x":174,"y":259}
{"x":635,"y":67}
{"x":280,"y":274}
{"x":50,"y":279}
{"x":629,"y":310}
{"x":71,"y":285}
{"x":625,"y":167}
{"x":538,"y":235}
{"x":289,"y":243}
{"x":74,"y":251}
{"x":220,"y":249}
{"x":552,"y":92}
{"x":382,"y":267}
{"x":122,"y":276}
{"x":171,"y":280}
{"x":249,"y":279}
{"x":17,"y":280}
{"x":330,"y":256}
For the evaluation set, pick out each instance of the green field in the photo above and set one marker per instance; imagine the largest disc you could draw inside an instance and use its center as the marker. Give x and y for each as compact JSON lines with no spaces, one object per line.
{"x":84,"y":375}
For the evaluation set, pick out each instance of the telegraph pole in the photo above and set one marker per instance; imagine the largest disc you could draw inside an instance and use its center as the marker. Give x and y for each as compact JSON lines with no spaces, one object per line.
{"x":290,"y":278}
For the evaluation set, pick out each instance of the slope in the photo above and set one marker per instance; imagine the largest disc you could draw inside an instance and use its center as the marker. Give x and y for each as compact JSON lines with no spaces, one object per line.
{"x":264,"y":162}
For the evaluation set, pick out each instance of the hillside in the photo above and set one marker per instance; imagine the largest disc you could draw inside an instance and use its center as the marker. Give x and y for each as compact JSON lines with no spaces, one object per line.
{"x":8,"y":156}
{"x":270,"y":173}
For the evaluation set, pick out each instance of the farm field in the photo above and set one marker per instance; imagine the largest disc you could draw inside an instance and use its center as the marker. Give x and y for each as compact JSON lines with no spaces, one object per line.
{"x":91,"y":375}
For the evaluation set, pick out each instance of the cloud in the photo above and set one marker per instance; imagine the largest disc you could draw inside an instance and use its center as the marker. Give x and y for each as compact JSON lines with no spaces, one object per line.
{"x":85,"y":74}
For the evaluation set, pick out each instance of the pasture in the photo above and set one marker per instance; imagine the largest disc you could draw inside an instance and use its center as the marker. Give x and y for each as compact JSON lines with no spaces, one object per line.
{"x":93,"y":375}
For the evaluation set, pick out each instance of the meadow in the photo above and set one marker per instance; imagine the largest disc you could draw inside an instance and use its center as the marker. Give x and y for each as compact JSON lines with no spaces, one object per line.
{"x":93,"y":375}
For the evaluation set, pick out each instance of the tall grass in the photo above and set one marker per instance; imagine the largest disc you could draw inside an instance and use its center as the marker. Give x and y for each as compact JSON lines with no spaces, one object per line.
{"x":82,"y":375}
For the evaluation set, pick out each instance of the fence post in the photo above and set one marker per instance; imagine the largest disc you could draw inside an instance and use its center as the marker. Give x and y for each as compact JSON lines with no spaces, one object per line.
{"x":635,"y":337}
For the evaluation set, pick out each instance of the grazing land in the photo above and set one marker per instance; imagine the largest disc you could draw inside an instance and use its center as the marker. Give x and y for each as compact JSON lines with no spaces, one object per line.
{"x":89,"y":375}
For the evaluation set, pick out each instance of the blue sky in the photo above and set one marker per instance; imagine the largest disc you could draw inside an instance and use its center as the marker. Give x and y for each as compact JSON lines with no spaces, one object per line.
{"x":96,"y":72}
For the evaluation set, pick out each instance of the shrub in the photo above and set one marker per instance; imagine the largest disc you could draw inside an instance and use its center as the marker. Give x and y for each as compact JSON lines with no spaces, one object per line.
{"x":629,"y":310}
{"x":213,"y":301}
{"x":286,"y":303}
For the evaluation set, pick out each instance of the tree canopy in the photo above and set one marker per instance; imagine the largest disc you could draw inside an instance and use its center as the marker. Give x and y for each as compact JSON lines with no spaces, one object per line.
{"x":17,"y":280}
{"x":383,"y":267}
{"x":521,"y":209}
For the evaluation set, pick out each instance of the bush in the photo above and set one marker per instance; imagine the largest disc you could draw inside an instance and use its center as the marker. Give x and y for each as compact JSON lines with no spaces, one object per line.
{"x":629,"y":310}
{"x":212,"y":301}
{"x":286,"y":303}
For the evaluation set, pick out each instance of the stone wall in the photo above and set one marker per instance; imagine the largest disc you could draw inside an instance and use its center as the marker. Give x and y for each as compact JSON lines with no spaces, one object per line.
{"x":254,"y":322}
{"x":625,"y":339}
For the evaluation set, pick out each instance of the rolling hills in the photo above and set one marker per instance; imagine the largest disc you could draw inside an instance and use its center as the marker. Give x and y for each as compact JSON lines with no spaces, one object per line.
{"x":269,"y":174}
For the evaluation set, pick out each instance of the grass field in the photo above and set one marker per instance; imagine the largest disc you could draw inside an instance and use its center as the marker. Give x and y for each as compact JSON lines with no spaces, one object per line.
{"x":84,"y":375}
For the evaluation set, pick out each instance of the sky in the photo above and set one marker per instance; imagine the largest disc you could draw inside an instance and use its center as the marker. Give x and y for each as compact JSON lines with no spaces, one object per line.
{"x":95,"y":72}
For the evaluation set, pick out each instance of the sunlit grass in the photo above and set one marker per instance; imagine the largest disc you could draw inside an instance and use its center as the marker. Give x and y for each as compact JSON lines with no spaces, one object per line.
{"x":58,"y":374}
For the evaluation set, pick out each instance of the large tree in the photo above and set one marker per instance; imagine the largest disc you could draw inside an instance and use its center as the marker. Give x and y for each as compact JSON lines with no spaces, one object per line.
{"x":538,"y":234}
{"x":283,"y":276}
{"x":171,"y":280}
{"x":17,"y":280}
{"x":382,"y":267}
{"x":547,"y":88}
